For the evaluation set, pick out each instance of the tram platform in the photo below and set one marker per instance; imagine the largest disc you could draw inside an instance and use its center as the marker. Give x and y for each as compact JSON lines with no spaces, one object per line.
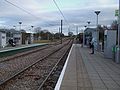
{"x":85,"y":71}
{"x":7,"y":51}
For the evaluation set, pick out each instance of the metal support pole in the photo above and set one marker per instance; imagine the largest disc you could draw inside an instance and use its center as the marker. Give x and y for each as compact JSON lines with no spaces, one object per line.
{"x":97,"y":31}
{"x":68,"y":30}
{"x":76,"y":32}
{"x":97,"y":34}
{"x":20,"y":24}
{"x":118,"y":49}
{"x":59,"y":33}
{"x":31,"y":35}
{"x":61,"y":30}
{"x":88,"y":23}
{"x":83,"y":39}
{"x":84,"y":36}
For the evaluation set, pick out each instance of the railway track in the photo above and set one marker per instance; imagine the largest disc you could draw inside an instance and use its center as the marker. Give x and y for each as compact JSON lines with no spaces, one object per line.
{"x":29,"y":52}
{"x":23,"y":53}
{"x":9,"y":68}
{"x":33,"y":66}
{"x":50,"y":81}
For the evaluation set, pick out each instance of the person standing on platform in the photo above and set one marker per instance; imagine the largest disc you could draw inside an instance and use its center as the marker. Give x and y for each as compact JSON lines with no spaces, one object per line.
{"x":92,"y":45}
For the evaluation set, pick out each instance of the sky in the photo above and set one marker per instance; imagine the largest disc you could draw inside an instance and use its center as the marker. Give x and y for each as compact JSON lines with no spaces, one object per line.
{"x":45,"y":14}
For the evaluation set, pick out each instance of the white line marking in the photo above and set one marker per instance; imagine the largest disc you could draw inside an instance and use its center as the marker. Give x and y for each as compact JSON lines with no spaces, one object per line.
{"x":57,"y":87}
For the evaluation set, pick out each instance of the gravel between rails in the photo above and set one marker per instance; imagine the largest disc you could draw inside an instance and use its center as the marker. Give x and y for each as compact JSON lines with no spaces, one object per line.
{"x":50,"y":82}
{"x":7,"y":69}
{"x":34,"y":76}
{"x":7,"y":58}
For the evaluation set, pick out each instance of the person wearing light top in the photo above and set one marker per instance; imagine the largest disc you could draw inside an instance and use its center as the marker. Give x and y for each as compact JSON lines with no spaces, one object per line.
{"x":92,"y":45}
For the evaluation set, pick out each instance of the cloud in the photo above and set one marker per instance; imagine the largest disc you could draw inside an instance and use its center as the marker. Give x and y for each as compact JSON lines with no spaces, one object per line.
{"x":46,"y":15}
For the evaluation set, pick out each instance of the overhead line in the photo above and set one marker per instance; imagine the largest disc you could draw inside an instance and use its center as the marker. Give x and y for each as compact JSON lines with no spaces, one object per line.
{"x":20,"y":8}
{"x":60,"y":11}
{"x":24,"y":10}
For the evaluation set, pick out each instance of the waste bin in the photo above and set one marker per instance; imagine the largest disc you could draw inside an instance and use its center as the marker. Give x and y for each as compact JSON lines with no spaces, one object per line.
{"x":114,"y":49}
{"x":117,"y":55}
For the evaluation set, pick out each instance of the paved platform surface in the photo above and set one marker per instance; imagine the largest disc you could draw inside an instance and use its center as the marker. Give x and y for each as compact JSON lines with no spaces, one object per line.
{"x":85,"y":71}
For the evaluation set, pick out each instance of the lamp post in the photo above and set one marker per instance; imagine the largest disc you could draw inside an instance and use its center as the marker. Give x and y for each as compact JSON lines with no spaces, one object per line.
{"x":32,"y":28}
{"x":84,"y":37}
{"x":68,"y":30}
{"x":59,"y":33}
{"x":118,"y":49}
{"x":76,"y":31}
{"x":20,"y":24}
{"x":32,"y":34}
{"x":97,"y":13}
{"x":14,"y":27}
{"x":61,"y":30}
{"x":88,"y":23}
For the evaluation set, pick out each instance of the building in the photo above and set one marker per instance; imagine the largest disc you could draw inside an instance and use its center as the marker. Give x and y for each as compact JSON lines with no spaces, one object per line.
{"x":2,"y":39}
{"x":17,"y":36}
{"x":27,"y":38}
{"x":88,"y":34}
{"x":12,"y":34}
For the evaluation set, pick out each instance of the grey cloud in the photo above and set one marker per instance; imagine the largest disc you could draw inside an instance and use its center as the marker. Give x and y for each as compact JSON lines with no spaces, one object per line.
{"x":51,"y":20}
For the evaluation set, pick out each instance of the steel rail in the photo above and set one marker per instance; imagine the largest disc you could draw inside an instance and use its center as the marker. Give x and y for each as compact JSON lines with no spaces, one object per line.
{"x":24,"y":54}
{"x":23,"y":70}
{"x":29,"y":52}
{"x":40,"y":87}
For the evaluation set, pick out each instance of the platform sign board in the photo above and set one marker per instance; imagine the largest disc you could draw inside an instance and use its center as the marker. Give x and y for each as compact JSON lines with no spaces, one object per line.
{"x":116,"y":12}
